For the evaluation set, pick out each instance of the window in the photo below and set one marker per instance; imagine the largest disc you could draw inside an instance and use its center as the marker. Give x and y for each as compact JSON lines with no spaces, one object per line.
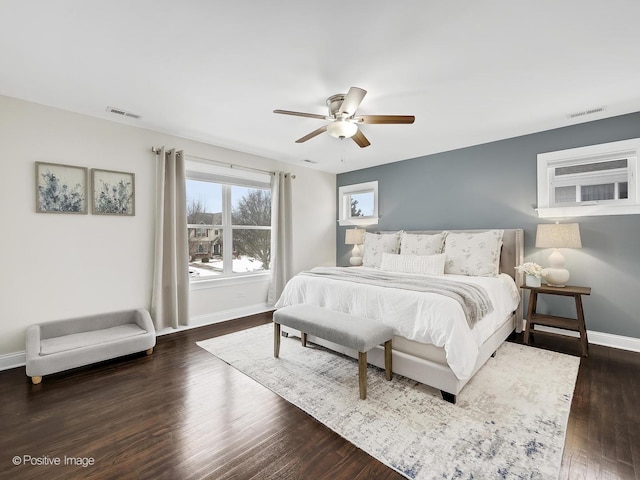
{"x":201,"y":232}
{"x":229,"y":222}
{"x":593,"y":180}
{"x":358,"y":204}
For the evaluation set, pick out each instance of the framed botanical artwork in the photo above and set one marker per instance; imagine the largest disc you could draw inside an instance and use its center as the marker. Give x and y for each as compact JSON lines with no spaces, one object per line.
{"x":114,"y":193}
{"x":61,"y":188}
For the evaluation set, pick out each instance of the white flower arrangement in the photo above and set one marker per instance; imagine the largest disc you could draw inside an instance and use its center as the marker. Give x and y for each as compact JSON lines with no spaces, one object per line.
{"x":531,"y":268}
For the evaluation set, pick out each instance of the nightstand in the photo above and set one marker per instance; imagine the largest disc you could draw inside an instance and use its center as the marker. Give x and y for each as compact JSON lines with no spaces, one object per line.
{"x":565,"y":323}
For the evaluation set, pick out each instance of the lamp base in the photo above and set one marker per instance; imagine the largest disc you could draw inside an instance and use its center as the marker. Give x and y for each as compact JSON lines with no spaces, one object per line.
{"x":556,"y":277}
{"x":355,"y":261}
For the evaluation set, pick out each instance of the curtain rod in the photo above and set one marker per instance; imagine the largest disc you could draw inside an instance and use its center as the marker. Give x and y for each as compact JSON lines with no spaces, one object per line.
{"x":156,"y":150}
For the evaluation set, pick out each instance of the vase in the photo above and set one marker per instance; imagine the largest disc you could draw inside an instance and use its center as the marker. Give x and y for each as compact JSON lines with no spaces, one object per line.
{"x":532,"y":281}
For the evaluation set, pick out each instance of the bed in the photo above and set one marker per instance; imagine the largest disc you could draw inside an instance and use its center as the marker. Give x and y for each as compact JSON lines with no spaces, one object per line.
{"x":436,"y":341}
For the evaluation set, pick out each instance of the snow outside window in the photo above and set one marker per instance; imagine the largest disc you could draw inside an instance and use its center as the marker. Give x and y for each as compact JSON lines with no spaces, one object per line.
{"x":229,"y":223}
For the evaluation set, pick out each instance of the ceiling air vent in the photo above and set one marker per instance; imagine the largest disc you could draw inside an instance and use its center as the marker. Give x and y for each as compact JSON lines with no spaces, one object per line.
{"x":124,"y":113}
{"x":591,"y":111}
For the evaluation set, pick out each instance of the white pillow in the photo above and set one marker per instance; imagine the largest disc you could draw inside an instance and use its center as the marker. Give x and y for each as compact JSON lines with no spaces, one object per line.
{"x":476,"y":254}
{"x":377,"y":244}
{"x":421,"y":244}
{"x":424,"y":264}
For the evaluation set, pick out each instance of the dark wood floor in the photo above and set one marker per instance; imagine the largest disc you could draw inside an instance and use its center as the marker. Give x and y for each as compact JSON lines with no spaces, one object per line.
{"x":603,"y":432}
{"x":183,"y":414}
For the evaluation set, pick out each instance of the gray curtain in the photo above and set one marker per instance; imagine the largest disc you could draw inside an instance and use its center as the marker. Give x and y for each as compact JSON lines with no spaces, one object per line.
{"x":281,"y":235}
{"x":170,"y":296}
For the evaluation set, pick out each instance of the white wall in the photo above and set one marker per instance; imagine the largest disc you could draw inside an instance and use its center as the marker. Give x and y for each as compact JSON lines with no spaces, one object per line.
{"x":55,"y":266}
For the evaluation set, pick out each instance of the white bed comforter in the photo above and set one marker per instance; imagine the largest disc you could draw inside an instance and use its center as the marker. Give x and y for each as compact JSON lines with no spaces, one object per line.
{"x":420,"y":316}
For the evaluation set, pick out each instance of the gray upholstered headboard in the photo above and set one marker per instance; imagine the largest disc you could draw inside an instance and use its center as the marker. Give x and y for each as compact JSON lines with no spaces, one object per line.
{"x":511,"y":256}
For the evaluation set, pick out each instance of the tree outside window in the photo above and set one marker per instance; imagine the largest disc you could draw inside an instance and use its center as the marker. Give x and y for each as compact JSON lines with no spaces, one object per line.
{"x":252,"y":208}
{"x":245,"y":225}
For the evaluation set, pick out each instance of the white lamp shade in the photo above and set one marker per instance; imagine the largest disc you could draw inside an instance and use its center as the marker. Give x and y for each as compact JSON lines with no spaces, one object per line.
{"x":354,"y":236}
{"x":558,"y":235}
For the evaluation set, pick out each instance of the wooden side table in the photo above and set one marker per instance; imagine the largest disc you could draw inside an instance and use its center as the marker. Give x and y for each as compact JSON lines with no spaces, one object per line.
{"x":575,"y":324}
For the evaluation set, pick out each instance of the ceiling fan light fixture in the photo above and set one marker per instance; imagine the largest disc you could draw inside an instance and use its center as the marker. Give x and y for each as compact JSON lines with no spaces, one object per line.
{"x":343,"y":121}
{"x":342,"y":129}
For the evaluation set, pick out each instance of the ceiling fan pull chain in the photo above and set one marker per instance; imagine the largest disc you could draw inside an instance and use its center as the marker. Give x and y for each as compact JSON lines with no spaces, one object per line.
{"x":342,"y":150}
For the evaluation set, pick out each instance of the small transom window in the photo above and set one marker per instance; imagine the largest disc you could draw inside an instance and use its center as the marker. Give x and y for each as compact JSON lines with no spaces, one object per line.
{"x":358,"y":204}
{"x":594,"y":180}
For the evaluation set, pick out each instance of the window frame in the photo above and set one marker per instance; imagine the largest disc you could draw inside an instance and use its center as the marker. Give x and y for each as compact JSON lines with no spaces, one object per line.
{"x":344,"y":199}
{"x":547,"y":162}
{"x":218,"y":175}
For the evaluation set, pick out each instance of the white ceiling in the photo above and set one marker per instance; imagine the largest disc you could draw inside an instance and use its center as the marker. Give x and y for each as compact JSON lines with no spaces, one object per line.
{"x":471,"y":72}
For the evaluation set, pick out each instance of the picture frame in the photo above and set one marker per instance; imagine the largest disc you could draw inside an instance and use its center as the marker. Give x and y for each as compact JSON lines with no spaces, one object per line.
{"x":61,"y":188}
{"x":113,"y":192}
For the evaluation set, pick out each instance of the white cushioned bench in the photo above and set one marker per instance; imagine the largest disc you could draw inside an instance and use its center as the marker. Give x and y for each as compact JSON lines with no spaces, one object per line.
{"x":358,"y":333}
{"x":52,"y":347}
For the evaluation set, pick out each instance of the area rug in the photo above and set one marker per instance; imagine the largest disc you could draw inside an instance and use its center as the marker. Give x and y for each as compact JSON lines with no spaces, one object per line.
{"x":509,"y":422}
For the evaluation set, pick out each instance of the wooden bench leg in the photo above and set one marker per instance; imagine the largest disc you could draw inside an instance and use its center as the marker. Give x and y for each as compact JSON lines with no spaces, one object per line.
{"x":303,"y":339}
{"x":362,"y":374}
{"x":276,"y":339}
{"x":36,"y":380}
{"x":388,"y":359}
{"x":149,"y":351}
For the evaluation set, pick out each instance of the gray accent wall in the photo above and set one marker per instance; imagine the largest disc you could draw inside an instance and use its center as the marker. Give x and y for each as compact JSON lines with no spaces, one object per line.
{"x":493,"y":185}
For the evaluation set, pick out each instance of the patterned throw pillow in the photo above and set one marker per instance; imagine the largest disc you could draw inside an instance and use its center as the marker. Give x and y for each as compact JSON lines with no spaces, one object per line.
{"x":421,"y":244}
{"x":376,"y":244}
{"x":475,"y":254}
{"x":423,"y":264}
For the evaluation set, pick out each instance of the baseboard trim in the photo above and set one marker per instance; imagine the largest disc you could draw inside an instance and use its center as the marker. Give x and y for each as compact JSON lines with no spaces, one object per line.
{"x":597,"y":338}
{"x":225,"y":315}
{"x":19,"y":359}
{"x":12,"y":360}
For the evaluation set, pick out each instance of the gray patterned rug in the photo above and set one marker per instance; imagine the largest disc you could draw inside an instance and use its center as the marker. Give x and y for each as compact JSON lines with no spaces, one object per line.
{"x":509,"y":422}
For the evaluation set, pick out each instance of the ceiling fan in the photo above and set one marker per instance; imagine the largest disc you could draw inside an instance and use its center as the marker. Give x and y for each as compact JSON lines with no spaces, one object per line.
{"x":344,"y":122}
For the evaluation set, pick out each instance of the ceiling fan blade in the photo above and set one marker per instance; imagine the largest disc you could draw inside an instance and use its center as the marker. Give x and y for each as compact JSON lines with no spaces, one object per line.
{"x":360,"y":139}
{"x":352,"y":101}
{"x":301,"y":114}
{"x":312,"y":134}
{"x":385,"y":119}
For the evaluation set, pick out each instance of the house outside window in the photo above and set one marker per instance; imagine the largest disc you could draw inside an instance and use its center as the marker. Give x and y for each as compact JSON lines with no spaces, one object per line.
{"x":229,"y":222}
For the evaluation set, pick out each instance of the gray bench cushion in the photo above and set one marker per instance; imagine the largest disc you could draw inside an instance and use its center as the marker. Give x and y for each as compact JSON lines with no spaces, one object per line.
{"x":358,"y":333}
{"x":69,"y":343}
{"x":88,"y":339}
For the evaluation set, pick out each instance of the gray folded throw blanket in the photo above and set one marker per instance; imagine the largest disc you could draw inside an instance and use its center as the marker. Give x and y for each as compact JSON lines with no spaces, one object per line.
{"x":473,"y":299}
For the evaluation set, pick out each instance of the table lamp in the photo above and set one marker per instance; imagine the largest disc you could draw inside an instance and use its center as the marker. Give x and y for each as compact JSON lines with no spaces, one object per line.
{"x":557,"y":235}
{"x":355,"y":237}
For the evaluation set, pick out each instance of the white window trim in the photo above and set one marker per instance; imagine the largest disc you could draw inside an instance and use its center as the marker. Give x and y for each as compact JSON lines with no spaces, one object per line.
{"x":344,"y":200}
{"x":225,"y":281}
{"x":204,"y":171}
{"x":546,"y":161}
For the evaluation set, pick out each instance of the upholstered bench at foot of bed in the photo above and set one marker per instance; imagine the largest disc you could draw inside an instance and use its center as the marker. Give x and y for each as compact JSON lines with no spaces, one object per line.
{"x":358,"y":333}
{"x":65,"y":344}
